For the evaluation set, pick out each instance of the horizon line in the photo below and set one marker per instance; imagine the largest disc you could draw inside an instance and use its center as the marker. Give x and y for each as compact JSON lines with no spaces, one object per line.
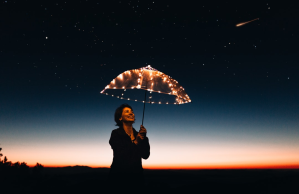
{"x":282,"y":167}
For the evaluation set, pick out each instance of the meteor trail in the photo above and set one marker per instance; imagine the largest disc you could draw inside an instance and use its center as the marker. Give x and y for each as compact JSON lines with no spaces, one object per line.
{"x":243,"y":23}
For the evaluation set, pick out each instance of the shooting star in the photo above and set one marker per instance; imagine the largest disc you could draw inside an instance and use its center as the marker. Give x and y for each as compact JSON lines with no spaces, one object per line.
{"x":243,"y":23}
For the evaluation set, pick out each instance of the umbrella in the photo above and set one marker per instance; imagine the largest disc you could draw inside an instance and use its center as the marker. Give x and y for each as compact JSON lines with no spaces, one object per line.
{"x":148,"y":79}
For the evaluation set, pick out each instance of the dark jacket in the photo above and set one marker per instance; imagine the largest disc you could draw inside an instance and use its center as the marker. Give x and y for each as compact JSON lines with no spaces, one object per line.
{"x":127,"y":156}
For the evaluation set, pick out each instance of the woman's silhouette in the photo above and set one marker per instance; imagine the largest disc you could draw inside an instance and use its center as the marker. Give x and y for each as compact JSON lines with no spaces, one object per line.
{"x":129,"y":147}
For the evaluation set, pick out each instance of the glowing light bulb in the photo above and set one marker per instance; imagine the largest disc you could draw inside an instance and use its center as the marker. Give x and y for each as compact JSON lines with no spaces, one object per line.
{"x":136,"y":100}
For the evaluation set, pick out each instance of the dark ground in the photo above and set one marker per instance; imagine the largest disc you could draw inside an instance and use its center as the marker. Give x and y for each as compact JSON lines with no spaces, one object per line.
{"x":95,"y":180}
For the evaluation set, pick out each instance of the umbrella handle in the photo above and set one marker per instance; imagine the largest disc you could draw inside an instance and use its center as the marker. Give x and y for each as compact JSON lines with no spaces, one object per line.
{"x":144,"y":107}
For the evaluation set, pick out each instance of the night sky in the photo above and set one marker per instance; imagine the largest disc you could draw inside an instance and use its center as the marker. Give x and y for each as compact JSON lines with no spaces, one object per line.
{"x":243,"y":81}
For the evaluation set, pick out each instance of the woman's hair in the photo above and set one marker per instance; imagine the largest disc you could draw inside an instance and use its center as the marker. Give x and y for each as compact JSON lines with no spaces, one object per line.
{"x":118,"y":113}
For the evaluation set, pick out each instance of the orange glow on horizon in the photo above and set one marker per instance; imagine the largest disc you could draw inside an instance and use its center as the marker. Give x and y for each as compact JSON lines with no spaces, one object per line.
{"x":201,"y":154}
{"x":210,"y":167}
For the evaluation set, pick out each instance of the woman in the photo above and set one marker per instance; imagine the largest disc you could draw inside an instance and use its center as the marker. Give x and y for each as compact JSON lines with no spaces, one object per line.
{"x":129,"y":147}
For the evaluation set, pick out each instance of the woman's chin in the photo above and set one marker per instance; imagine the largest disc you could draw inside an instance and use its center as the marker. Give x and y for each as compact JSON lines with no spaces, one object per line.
{"x":129,"y":121}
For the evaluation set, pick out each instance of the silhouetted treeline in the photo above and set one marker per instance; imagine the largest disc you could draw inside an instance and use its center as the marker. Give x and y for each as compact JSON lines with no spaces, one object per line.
{"x":7,"y":167}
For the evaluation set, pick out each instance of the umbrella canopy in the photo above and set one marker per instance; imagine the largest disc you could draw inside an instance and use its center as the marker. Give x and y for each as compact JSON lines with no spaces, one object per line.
{"x":149,"y":79}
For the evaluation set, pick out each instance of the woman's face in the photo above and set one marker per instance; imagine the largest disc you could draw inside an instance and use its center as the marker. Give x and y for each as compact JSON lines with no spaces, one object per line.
{"x":127,"y":115}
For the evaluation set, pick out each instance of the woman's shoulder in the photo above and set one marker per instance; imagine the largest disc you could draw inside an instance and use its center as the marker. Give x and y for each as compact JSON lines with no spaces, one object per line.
{"x":116,"y":131}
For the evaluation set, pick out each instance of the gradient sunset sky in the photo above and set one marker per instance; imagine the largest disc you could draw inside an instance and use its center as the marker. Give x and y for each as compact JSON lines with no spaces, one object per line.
{"x":243,"y":81}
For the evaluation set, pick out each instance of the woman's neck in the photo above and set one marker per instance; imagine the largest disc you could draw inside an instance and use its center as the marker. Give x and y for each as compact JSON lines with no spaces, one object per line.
{"x":128,"y":127}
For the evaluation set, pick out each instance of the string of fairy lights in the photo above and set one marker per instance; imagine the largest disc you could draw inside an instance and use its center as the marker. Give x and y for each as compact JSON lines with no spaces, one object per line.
{"x":150,"y":79}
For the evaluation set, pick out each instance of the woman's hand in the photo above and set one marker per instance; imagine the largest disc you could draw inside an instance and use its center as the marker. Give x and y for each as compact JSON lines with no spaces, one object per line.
{"x":141,"y":134}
